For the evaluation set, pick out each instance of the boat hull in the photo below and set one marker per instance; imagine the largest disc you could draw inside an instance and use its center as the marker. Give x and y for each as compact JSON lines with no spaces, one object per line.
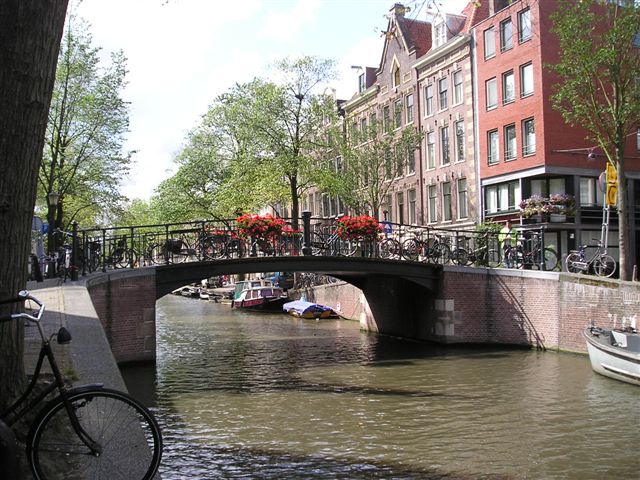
{"x":261,"y":304}
{"x":616,"y":358}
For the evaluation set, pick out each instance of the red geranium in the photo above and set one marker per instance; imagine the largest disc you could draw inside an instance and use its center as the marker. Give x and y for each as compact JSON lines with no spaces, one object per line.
{"x":259,"y":226}
{"x":363,"y":227}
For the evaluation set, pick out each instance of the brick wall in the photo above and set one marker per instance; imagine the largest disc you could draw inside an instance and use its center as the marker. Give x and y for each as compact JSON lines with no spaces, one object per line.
{"x":125,"y":303}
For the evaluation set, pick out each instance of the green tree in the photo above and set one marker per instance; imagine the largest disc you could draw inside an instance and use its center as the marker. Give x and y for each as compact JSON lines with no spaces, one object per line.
{"x":288,"y":120}
{"x":83,"y":158}
{"x":371,"y":160}
{"x":599,"y":90}
{"x":30,"y":33}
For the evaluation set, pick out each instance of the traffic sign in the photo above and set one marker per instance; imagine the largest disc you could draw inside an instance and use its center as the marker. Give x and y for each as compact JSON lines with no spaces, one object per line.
{"x":612,"y":184}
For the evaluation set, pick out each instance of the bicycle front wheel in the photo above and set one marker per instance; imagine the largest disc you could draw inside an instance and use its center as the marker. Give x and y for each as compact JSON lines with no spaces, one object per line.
{"x":126,"y":432}
{"x":604,"y":266}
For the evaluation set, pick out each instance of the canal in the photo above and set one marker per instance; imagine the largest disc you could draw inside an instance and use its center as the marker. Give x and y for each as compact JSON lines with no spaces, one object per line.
{"x":259,"y":396}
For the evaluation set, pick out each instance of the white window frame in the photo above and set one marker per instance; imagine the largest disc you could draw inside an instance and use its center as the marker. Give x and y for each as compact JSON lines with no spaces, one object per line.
{"x":489,"y":36}
{"x":491,"y":93}
{"x":508,"y":87}
{"x":524,"y":25}
{"x":458,"y":87}
{"x":528,"y":139}
{"x":526,"y":79}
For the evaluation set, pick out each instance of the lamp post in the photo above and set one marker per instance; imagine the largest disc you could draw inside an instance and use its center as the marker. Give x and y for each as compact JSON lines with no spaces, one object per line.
{"x":52,"y":204}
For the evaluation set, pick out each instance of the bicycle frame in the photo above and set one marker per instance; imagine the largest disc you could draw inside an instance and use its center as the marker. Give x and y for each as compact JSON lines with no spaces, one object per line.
{"x":14,"y":412}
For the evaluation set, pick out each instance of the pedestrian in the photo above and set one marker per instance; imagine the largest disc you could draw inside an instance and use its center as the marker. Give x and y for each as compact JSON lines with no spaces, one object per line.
{"x":508,"y":239}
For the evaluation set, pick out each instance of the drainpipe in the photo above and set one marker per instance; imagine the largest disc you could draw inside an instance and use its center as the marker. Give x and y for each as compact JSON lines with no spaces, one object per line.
{"x":420,"y":165}
{"x":476,"y":127}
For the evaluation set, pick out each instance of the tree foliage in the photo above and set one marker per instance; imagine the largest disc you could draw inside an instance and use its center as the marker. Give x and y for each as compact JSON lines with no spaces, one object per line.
{"x":370,"y":161}
{"x":83,"y":159}
{"x":599,"y":88}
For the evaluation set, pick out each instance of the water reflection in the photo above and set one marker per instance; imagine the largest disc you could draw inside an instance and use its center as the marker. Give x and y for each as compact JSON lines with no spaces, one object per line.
{"x":264,"y":396}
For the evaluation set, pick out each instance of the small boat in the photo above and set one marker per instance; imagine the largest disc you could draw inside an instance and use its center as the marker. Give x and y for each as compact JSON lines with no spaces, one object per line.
{"x":187,"y":291}
{"x":614,"y":353}
{"x":302,"y":309}
{"x":203,"y":294}
{"x":259,"y":295}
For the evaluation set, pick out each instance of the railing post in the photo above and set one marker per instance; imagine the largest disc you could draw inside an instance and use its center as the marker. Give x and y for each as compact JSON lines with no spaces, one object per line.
{"x":74,"y":252}
{"x":306,"y":233}
{"x":104,"y":250}
{"x":131,"y":248}
{"x":85,"y":253}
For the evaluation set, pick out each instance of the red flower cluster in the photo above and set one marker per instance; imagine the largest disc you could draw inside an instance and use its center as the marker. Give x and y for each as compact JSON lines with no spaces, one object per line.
{"x":259,"y":226}
{"x":288,"y":231}
{"x":363,"y":227}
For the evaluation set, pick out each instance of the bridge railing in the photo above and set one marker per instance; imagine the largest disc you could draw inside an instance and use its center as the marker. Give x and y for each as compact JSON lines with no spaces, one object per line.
{"x":164,"y":244}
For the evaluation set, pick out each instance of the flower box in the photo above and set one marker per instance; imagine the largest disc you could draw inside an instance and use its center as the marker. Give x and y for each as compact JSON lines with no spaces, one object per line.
{"x":361,"y":228}
{"x":263,"y":227}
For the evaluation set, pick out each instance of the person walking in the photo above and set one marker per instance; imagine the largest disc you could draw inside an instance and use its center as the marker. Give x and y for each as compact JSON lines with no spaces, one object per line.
{"x":508,"y":239}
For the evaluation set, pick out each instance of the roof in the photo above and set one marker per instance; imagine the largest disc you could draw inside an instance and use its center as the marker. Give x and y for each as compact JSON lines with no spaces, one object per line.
{"x":475,"y":12}
{"x":417,"y":34}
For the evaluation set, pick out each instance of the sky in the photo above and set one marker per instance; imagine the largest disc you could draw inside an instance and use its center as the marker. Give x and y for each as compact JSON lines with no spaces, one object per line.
{"x":182,"y":54}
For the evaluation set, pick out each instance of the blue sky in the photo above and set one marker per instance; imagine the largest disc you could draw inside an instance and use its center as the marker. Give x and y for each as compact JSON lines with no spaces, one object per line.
{"x":183,"y":53}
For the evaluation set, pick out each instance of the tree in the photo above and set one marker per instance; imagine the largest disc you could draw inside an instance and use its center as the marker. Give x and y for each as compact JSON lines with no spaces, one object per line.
{"x":599,"y":89}
{"x":370,"y":161}
{"x":30,"y":33}
{"x":83,"y":159}
{"x":288,"y":119}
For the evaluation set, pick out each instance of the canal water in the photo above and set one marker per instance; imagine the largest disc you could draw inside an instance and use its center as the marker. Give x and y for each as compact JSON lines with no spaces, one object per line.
{"x":268,"y":396}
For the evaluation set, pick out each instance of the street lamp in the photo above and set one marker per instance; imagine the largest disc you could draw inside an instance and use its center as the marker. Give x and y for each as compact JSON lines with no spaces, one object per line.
{"x":52,"y":204}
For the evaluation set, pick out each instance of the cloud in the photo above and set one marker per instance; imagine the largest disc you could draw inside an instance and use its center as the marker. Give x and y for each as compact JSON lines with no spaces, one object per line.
{"x":283,"y":26}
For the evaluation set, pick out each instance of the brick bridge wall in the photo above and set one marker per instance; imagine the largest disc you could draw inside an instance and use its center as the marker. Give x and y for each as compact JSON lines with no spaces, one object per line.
{"x":546,"y":310}
{"x":125,"y":301}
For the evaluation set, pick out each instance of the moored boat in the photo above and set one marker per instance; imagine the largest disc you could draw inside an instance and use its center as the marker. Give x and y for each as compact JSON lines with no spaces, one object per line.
{"x":303,"y":309}
{"x":614,"y":353}
{"x":259,"y":295}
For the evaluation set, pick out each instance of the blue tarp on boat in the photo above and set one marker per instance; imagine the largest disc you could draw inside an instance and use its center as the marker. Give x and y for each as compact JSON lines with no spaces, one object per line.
{"x":305,"y":309}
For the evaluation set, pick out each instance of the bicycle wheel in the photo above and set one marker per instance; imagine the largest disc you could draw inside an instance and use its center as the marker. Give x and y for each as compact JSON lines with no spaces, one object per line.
{"x":441,"y":254}
{"x":550,"y":259}
{"x":317,"y":244}
{"x":460,"y":256}
{"x":389,"y":248}
{"x":124,"y":429}
{"x":493,"y":258}
{"x":604,"y":266}
{"x":573,"y":263}
{"x":214,"y":247}
{"x":347,"y":248}
{"x":411,"y":249}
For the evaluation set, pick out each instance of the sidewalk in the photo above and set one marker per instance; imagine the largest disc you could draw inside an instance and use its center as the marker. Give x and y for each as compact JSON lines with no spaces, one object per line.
{"x":88,"y":358}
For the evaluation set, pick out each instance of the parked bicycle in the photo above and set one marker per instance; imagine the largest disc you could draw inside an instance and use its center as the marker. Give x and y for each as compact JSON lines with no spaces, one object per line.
{"x":600,"y":262}
{"x":433,"y":249}
{"x":329,"y":243}
{"x":85,"y":432}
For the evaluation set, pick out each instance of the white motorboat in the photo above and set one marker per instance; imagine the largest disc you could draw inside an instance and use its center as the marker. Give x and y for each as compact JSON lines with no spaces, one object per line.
{"x":615,"y":353}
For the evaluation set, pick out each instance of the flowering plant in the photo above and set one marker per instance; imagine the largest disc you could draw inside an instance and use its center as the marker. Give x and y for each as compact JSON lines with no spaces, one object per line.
{"x":558,"y":203}
{"x":259,"y":226}
{"x":363,"y":227}
{"x":290,"y":232}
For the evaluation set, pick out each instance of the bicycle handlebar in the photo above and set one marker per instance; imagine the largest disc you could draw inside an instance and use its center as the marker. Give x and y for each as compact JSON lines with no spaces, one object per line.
{"x":23,"y":296}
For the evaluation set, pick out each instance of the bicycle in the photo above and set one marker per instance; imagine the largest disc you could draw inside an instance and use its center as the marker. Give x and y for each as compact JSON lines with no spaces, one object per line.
{"x":602,"y":264}
{"x":481,"y":254}
{"x":331,"y":244}
{"x":87,"y":432}
{"x":433,"y":250}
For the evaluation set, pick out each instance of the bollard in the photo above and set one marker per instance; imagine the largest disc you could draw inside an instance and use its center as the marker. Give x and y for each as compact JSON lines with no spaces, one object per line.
{"x":74,"y":252}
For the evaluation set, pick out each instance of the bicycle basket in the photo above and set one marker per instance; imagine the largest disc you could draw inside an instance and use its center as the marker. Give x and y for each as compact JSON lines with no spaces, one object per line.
{"x":174,"y":245}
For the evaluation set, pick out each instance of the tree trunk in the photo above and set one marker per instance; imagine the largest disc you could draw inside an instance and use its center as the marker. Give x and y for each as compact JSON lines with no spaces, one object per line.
{"x":30,"y":34}
{"x":295,"y":204}
{"x":623,"y":220}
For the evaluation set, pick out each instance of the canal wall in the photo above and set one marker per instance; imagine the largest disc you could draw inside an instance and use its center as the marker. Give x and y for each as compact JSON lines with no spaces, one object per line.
{"x":546,"y":310}
{"x":125,"y":301}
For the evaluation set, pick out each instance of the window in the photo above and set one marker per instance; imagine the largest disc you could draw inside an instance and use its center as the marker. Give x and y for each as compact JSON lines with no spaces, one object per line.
{"x":439,"y":34}
{"x":388,"y":164}
{"x":506,"y":35}
{"x":508,"y":87}
{"x":528,"y":137}
{"x":444,"y":146}
{"x":428,"y":100}
{"x":411,"y":160}
{"x":433,"y":212}
{"x":354,"y":132}
{"x":489,"y":43}
{"x":396,"y":76}
{"x":459,"y":127}
{"x":491,"y":87}
{"x":510,"y":142}
{"x":431,"y":150}
{"x":400,"y":207}
{"x":399,"y":160}
{"x":492,"y":147}
{"x":412,"y":206}
{"x":590,"y":194}
{"x":524,"y":25}
{"x":638,"y":139}
{"x":526,"y":80}
{"x":442,"y":93}
{"x":361,"y":83}
{"x":503,"y":197}
{"x":363,"y":129}
{"x":462,"y":198}
{"x":387,"y":207}
{"x":397,"y":110}
{"x":373,"y":125}
{"x":408,"y":100}
{"x":457,"y":87}
{"x":446,"y":201}
{"x":386,"y":120}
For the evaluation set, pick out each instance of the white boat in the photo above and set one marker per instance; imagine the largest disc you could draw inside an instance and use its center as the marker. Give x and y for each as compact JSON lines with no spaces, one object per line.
{"x":614,"y":353}
{"x":303,"y":309}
